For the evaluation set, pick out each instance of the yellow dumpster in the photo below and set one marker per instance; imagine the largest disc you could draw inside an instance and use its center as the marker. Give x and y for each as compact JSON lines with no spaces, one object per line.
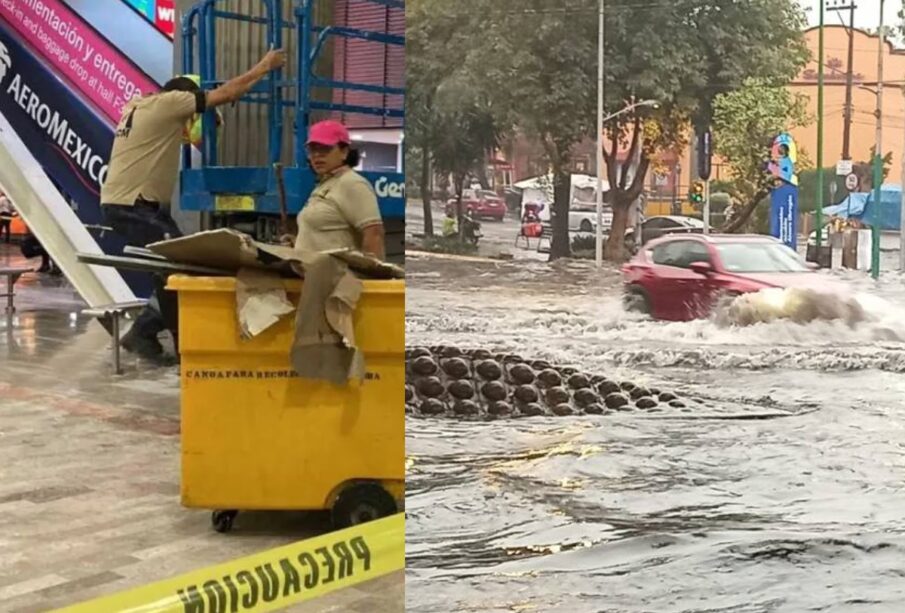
{"x":256,"y":436}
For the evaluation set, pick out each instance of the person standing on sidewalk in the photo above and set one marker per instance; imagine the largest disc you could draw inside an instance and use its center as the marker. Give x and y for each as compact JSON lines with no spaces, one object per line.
{"x":142,"y":175}
{"x":7,"y":212}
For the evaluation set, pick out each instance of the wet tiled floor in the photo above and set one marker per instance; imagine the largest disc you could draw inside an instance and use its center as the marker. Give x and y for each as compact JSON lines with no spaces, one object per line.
{"x":89,"y":469}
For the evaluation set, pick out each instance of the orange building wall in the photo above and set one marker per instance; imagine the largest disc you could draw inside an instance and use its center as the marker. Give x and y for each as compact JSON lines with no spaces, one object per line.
{"x":863,"y":102}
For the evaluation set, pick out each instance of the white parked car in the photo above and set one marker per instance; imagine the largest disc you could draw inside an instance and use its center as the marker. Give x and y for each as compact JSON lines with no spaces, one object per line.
{"x":582,"y":219}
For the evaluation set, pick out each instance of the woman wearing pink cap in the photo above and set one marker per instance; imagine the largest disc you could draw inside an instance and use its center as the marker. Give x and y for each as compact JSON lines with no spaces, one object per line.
{"x":341,"y":212}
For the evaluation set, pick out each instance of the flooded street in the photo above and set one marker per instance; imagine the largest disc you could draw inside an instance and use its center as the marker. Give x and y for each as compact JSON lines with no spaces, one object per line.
{"x":660,"y":513}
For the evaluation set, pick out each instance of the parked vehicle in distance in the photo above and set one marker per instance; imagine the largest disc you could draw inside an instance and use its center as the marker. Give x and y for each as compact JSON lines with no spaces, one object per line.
{"x":683,"y":277}
{"x":481,"y":203}
{"x":584,"y":219}
{"x":661,"y":225}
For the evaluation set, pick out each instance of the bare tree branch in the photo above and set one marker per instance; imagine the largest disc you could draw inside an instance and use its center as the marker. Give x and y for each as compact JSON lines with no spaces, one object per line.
{"x":637,"y":186}
{"x":739,"y":220}
{"x":631,"y":150}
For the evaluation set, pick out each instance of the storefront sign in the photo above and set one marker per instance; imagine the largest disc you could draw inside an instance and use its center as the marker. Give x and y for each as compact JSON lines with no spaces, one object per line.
{"x":78,"y":53}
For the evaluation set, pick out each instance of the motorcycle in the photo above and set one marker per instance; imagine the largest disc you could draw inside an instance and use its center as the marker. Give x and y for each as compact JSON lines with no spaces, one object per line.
{"x":471,"y":230}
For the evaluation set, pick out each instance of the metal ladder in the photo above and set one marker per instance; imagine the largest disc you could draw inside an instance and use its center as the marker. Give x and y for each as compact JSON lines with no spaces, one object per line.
{"x":253,"y":189}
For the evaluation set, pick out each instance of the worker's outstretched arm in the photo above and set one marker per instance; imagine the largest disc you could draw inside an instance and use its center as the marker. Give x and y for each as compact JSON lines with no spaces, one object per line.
{"x":235,"y":88}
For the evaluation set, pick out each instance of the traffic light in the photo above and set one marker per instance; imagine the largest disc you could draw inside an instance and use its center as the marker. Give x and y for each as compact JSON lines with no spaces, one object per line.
{"x":697,"y":193}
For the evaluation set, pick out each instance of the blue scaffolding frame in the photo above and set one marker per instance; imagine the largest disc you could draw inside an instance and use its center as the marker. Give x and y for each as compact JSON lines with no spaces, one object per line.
{"x":253,"y":189}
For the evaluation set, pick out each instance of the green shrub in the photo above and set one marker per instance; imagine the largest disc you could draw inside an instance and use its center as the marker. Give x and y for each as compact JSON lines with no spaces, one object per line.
{"x":452,"y":245}
{"x":584,"y":242}
{"x":584,"y":247}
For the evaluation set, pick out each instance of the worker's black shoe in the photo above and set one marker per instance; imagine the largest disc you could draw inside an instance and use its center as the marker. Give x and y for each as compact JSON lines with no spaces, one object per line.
{"x":145,"y":347}
{"x":165,"y":360}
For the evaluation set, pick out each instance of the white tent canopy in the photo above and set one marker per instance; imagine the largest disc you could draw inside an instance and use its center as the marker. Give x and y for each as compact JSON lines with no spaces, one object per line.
{"x":539,"y":190}
{"x":546,"y":182}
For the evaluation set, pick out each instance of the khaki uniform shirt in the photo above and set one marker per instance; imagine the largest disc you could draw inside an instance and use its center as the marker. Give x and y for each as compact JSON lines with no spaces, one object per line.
{"x":337,"y":211}
{"x":144,"y":162}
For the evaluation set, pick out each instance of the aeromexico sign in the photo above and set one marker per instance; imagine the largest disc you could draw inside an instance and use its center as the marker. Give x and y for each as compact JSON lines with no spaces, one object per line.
{"x":70,"y":141}
{"x":57,"y":127}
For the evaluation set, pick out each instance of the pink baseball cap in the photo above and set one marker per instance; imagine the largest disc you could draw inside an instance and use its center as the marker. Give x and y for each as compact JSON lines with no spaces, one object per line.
{"x":329,"y":133}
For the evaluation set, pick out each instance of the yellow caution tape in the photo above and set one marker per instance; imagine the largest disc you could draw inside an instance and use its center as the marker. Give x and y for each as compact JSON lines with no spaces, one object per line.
{"x":274,"y":579}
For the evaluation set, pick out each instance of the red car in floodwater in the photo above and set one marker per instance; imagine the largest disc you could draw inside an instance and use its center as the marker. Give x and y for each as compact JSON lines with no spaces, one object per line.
{"x":482,"y":203}
{"x":682,"y":277}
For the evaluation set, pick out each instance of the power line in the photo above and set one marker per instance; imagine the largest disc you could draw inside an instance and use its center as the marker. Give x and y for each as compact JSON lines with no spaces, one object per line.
{"x":576,"y":10}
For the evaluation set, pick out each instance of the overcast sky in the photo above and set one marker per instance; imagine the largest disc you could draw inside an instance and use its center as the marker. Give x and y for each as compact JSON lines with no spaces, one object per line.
{"x":867,"y":15}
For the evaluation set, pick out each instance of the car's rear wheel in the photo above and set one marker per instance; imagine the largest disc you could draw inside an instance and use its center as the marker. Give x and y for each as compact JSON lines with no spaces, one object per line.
{"x":636,"y":300}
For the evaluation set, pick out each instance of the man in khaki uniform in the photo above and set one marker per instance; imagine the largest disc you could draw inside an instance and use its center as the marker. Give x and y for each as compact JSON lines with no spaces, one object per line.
{"x":142,"y":174}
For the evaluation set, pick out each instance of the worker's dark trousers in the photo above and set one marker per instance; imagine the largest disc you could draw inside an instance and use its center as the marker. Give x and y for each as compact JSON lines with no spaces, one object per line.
{"x":140,"y":225}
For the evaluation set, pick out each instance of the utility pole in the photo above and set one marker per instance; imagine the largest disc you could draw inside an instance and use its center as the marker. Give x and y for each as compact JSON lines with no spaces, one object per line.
{"x":639,"y":206}
{"x":599,"y":241}
{"x":902,"y":213}
{"x":677,"y":181}
{"x":837,"y":6}
{"x":878,"y":156}
{"x":819,"y":202}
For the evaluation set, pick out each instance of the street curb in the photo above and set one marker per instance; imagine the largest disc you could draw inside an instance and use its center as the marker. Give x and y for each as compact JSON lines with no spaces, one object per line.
{"x":450,"y":256}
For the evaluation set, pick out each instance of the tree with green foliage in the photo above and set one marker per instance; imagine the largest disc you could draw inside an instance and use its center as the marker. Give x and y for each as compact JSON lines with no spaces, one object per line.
{"x":539,"y":63}
{"x":534,"y":61}
{"x":464,"y":132}
{"x":744,"y":125}
{"x":437,"y":38}
{"x":707,"y":50}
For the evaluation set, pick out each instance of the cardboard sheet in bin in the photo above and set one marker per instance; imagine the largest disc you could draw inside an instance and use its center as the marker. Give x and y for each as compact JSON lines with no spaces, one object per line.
{"x":324,"y":331}
{"x":231,"y":250}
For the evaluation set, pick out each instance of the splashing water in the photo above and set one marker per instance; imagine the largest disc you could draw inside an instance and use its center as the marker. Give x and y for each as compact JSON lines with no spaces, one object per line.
{"x":805,"y":306}
{"x":799,"y":305}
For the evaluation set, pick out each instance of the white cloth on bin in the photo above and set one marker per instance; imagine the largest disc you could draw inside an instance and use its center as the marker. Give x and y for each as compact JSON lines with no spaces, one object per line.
{"x":261,"y":301}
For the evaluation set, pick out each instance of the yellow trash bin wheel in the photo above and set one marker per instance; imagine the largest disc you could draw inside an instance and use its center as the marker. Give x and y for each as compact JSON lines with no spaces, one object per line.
{"x":222,"y":521}
{"x":361,"y":502}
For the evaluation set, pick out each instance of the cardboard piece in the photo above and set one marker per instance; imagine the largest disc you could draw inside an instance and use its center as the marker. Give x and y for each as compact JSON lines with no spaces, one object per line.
{"x":260,"y":302}
{"x":224,"y":249}
{"x":227,"y":249}
{"x":324,"y":345}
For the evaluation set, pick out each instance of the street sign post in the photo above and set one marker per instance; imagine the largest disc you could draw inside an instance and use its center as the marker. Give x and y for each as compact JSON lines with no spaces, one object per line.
{"x":705,"y":153}
{"x":844,"y":168}
{"x":851,"y":182}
